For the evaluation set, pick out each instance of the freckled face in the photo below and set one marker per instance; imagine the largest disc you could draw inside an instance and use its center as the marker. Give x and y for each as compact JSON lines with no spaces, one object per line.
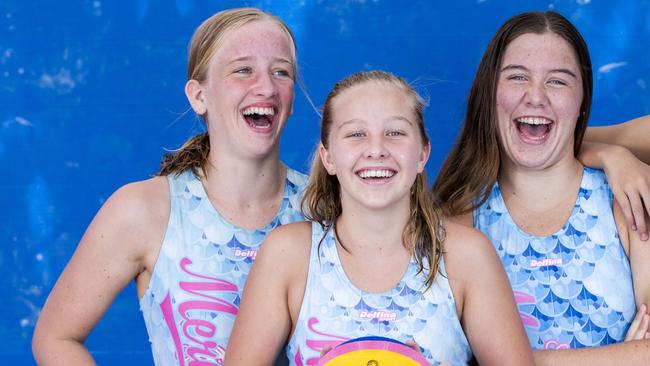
{"x":249,"y":91}
{"x":375,"y":148}
{"x":539,"y":94}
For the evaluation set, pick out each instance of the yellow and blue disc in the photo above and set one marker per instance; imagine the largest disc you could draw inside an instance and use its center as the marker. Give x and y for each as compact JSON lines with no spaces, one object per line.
{"x":373,"y":351}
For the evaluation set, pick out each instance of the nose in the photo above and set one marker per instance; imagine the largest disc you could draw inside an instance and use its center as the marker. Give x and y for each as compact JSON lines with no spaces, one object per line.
{"x":265,"y":85}
{"x":377,"y":148}
{"x":536,"y":95}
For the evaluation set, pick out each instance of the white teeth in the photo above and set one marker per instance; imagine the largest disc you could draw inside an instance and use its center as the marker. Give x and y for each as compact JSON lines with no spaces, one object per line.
{"x":376,"y":173}
{"x":534,"y":121}
{"x":259,"y":110}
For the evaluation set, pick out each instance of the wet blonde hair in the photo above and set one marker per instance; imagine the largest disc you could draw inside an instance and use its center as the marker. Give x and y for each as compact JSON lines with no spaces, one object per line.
{"x":423,"y":233}
{"x":206,"y":41}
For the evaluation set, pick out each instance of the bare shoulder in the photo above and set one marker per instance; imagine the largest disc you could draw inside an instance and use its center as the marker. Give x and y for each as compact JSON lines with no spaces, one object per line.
{"x":284,"y":260}
{"x":467,"y":250}
{"x":285,"y":253}
{"x":290,"y":242}
{"x":463,"y":241}
{"x":143,"y":198}
{"x":134,"y":217}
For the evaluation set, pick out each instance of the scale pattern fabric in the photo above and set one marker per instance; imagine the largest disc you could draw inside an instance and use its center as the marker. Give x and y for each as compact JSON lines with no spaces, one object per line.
{"x":573,"y":288}
{"x":190,"y":305}
{"x":334,"y":310}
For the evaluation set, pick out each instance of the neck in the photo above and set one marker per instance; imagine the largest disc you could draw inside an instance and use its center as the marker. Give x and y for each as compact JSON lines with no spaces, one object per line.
{"x":244,"y":181}
{"x":540,"y":188}
{"x":371,"y":229}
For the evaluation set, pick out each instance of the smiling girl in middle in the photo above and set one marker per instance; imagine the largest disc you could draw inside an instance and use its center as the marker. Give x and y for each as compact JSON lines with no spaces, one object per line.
{"x":376,"y":258}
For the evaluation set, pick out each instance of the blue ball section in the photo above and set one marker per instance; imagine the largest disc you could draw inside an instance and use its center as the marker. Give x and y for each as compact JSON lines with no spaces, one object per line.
{"x":374,"y":338}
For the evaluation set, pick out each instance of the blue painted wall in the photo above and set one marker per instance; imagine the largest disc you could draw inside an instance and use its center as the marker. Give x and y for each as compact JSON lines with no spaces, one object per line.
{"x":91,"y":95}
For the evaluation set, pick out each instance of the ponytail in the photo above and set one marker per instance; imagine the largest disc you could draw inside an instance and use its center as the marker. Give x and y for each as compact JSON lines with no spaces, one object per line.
{"x":192,"y":155}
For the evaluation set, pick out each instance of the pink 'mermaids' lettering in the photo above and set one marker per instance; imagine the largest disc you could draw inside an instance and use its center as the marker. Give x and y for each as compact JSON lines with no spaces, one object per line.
{"x":168,"y":314}
{"x":554,"y":344}
{"x":202,"y":327}
{"x":203,"y":352}
{"x":318,"y":345}
{"x":526,"y":319}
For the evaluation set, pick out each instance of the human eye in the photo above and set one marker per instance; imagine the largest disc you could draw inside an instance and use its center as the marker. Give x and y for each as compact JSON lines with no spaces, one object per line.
{"x":244,"y":70}
{"x":284,"y":73}
{"x":355,"y":134}
{"x":517,"y":77}
{"x":395,"y":133}
{"x":557,"y":82}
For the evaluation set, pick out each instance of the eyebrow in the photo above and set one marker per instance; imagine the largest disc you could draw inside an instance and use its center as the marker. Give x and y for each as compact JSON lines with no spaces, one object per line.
{"x":248,"y":58}
{"x":400,"y":118}
{"x":391,"y":118}
{"x":524,"y":68}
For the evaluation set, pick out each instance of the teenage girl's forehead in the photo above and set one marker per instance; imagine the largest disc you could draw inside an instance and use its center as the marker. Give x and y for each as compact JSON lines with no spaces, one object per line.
{"x":259,"y":35}
{"x":378,"y":89}
{"x":372,"y":101}
{"x":548,"y":49}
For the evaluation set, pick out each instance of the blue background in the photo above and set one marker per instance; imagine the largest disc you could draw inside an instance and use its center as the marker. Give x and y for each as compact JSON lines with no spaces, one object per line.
{"x":91,"y":95}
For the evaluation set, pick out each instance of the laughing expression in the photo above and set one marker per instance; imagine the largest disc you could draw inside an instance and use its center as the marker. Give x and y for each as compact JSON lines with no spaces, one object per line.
{"x":538,"y":101}
{"x":248,"y":93}
{"x":375,"y":148}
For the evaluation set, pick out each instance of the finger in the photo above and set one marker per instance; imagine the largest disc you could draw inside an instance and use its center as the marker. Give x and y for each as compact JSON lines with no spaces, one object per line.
{"x":624,"y":203}
{"x":638,"y":211}
{"x":324,"y":351}
{"x":636,"y":324}
{"x":413,"y":345}
{"x":644,"y":325}
{"x":647,"y":335}
{"x":644,"y":234}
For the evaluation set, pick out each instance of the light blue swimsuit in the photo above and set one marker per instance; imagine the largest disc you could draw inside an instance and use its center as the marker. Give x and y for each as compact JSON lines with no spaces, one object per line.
{"x":334,"y":310}
{"x":194,"y":293}
{"x":573,"y":288}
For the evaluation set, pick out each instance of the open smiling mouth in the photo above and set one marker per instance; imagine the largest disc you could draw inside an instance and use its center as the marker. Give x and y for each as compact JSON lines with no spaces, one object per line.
{"x":376,"y":174}
{"x":534,"y":129}
{"x":259,"y":118}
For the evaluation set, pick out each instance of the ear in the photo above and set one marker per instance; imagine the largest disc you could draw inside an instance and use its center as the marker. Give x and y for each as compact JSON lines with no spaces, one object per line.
{"x":194,"y":94}
{"x":326,"y":159}
{"x":424,"y":157}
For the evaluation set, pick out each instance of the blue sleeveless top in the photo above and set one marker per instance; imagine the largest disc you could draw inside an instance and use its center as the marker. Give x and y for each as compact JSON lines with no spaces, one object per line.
{"x":194,"y":293}
{"x":334,"y":310}
{"x":573,"y":288}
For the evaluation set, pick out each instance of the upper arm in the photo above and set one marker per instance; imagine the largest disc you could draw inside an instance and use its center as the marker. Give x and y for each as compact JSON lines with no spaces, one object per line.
{"x":489,"y":314}
{"x":109,"y":255}
{"x":268,"y":302}
{"x":633,"y":135}
{"x":639,"y":255}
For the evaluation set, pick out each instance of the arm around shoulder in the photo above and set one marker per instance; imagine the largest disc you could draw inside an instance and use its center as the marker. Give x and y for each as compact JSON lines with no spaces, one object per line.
{"x":633,"y":135}
{"x":628,"y":177}
{"x":112,"y":252}
{"x":272,"y":296}
{"x":489,"y":314}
